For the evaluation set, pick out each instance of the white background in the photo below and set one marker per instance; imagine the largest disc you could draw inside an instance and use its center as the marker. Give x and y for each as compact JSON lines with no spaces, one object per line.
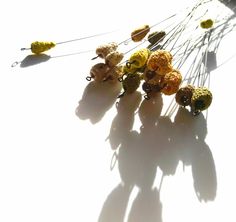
{"x":54,"y":152}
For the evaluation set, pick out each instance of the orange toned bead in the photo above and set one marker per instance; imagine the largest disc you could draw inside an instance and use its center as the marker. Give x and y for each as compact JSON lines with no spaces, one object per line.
{"x":160,"y":61}
{"x":171,"y":82}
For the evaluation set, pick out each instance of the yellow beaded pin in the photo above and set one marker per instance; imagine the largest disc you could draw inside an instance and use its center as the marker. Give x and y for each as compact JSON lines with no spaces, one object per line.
{"x":39,"y":47}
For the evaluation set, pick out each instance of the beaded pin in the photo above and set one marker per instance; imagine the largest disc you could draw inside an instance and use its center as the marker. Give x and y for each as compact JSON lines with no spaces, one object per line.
{"x":39,"y":47}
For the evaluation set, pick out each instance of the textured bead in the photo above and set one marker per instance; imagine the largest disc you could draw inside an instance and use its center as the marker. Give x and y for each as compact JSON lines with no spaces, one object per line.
{"x":131,"y":83}
{"x":152,"y":77}
{"x":201,"y":99}
{"x":154,"y":37}
{"x":139,"y":58}
{"x":206,"y":24}
{"x":139,"y":33}
{"x":39,"y":47}
{"x":151,"y":88}
{"x":171,"y":82}
{"x":184,"y":95}
{"x":127,"y":69}
{"x":114,"y":74}
{"x":99,"y":72}
{"x":160,"y":61}
{"x":103,"y":50}
{"x":114,"y":58}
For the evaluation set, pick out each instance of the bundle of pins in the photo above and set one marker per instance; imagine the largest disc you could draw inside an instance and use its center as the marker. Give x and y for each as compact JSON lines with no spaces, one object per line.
{"x":162,"y":66}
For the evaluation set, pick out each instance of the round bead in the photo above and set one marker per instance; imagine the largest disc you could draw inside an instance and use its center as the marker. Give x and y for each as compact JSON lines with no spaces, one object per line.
{"x":201,"y":99}
{"x":152,"y":77}
{"x":131,"y":83}
{"x":99,"y":71}
{"x":160,"y":62}
{"x":184,"y":95}
{"x":206,"y":24}
{"x":139,"y":58}
{"x":171,"y":82}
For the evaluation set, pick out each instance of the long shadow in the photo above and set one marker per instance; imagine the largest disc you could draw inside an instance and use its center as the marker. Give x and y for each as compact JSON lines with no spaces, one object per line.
{"x":135,"y":166}
{"x":123,"y":121}
{"x":31,"y":60}
{"x":147,"y":205}
{"x":160,"y":144}
{"x":194,"y":151}
{"x":96,"y":100}
{"x":121,"y":133}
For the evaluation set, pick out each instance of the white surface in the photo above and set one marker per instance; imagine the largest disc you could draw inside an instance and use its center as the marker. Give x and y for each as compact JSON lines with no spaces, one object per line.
{"x":54,"y":153}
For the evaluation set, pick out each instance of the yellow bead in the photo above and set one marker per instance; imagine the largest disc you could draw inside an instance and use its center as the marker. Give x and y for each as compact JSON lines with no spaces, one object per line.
{"x":39,"y":47}
{"x":206,"y":24}
{"x":139,"y":58}
{"x":129,"y":69}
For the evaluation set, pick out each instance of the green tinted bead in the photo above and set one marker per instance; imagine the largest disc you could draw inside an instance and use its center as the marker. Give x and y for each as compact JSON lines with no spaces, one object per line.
{"x":131,"y":83}
{"x":156,"y":36}
{"x":201,"y":99}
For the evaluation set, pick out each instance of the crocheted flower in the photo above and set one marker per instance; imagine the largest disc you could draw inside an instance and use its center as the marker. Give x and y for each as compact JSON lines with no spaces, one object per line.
{"x":171,"y":82}
{"x":139,"y":33}
{"x":201,"y":99}
{"x":154,"y":37}
{"x":160,"y":61}
{"x":103,"y":50}
{"x":114,"y":58}
{"x":39,"y":47}
{"x":184,"y":95}
{"x":139,"y":58}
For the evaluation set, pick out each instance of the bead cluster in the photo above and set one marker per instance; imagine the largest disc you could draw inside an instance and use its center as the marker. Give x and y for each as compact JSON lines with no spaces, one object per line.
{"x":198,"y":98}
{"x":152,"y":68}
{"x":108,"y":70}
